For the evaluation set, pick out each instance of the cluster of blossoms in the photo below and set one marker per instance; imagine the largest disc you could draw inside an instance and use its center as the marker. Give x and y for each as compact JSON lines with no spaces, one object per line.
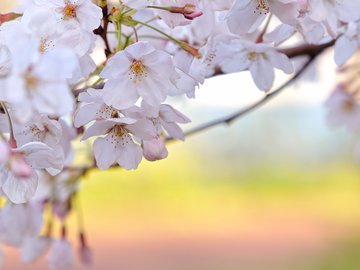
{"x":103,"y":71}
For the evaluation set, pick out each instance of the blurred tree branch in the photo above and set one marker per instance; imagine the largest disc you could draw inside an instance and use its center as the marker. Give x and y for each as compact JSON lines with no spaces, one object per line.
{"x":311,"y":51}
{"x":234,"y":116}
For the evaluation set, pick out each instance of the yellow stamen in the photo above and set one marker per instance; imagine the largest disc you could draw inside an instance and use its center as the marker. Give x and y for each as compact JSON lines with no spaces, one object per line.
{"x":137,"y":71}
{"x":69,"y":11}
{"x":262,"y":6}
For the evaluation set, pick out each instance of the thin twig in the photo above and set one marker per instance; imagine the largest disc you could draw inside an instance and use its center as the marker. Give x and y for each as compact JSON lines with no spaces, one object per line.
{"x":103,"y":30}
{"x":232,"y":117}
{"x":307,"y":50}
{"x":302,"y":50}
{"x":11,"y":128}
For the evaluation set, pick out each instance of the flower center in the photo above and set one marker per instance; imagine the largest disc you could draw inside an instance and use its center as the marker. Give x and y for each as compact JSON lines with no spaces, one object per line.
{"x":119,"y":131}
{"x":119,"y":137}
{"x":137,"y":71}
{"x":69,"y":11}
{"x":348,"y":106}
{"x":106,"y":112}
{"x":44,"y":45}
{"x":262,"y":7}
{"x":31,"y":81}
{"x":38,"y":135}
{"x":252,"y":56}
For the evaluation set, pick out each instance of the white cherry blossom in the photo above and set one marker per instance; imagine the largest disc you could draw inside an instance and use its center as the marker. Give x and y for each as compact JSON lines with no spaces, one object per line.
{"x":331,"y":12}
{"x":34,"y":247}
{"x":19,"y":184}
{"x":120,"y":143}
{"x":246,"y":15}
{"x":19,"y":222}
{"x":343,"y":110}
{"x":73,"y":13}
{"x":61,"y":255}
{"x":138,"y":71}
{"x":164,"y":118}
{"x":37,"y":82}
{"x":260,"y":59}
{"x":348,"y":43}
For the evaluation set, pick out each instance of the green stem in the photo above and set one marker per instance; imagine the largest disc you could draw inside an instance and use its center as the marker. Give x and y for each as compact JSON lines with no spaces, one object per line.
{"x":159,"y":31}
{"x":152,"y":37}
{"x":135,"y":33}
{"x":12,"y":137}
{"x":119,"y":47}
{"x":96,"y":82}
{"x":157,"y":7}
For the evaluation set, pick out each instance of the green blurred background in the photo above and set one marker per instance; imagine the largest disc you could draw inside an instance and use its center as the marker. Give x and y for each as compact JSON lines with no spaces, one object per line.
{"x":276,"y":190}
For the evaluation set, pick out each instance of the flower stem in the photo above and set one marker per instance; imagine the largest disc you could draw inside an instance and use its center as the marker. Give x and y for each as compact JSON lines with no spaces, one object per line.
{"x":12,"y":137}
{"x":183,"y":45}
{"x":119,"y":34}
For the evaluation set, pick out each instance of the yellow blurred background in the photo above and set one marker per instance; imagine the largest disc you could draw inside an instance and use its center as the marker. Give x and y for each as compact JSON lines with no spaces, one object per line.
{"x":276,"y":190}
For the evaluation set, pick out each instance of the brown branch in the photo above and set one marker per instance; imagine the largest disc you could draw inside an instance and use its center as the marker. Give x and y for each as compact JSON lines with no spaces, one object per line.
{"x":224,"y":120}
{"x":232,"y":117}
{"x":102,"y":30}
{"x":312,"y":51}
{"x":309,"y":50}
{"x":302,"y":50}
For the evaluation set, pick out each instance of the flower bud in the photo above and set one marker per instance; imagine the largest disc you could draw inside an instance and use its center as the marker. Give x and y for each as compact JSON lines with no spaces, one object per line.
{"x":189,"y":11}
{"x":186,"y":47}
{"x":85,"y":253}
{"x":8,"y":17}
{"x":155,"y":149}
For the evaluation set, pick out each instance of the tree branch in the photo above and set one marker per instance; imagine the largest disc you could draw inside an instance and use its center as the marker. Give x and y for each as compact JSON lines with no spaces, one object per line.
{"x":232,"y":117}
{"x":311,"y":51}
{"x":103,"y":30}
{"x":302,"y":50}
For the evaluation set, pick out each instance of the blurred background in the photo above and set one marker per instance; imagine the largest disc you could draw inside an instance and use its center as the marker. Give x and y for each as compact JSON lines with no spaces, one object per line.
{"x":277,"y":189}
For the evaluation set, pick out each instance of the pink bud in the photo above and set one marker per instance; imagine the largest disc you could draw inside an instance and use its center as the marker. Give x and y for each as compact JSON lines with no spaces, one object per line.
{"x":155,"y":149}
{"x":8,"y":17}
{"x":189,"y":11}
{"x":86,"y":256}
{"x":85,"y":253}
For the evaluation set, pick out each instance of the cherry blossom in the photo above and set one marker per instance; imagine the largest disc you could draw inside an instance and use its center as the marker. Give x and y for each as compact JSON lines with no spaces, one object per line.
{"x":41,"y":78}
{"x":163,"y":118}
{"x":19,"y":179}
{"x":347,"y":44}
{"x":19,"y":222}
{"x":145,"y":72}
{"x":343,"y":109}
{"x":34,"y":247}
{"x":259,"y":59}
{"x":61,"y":255}
{"x":331,"y":12}
{"x":73,"y":13}
{"x":246,"y":15}
{"x":119,"y":145}
{"x":92,"y":84}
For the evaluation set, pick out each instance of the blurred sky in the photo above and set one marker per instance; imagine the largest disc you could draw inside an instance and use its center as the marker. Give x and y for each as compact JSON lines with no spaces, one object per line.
{"x":276,"y":190}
